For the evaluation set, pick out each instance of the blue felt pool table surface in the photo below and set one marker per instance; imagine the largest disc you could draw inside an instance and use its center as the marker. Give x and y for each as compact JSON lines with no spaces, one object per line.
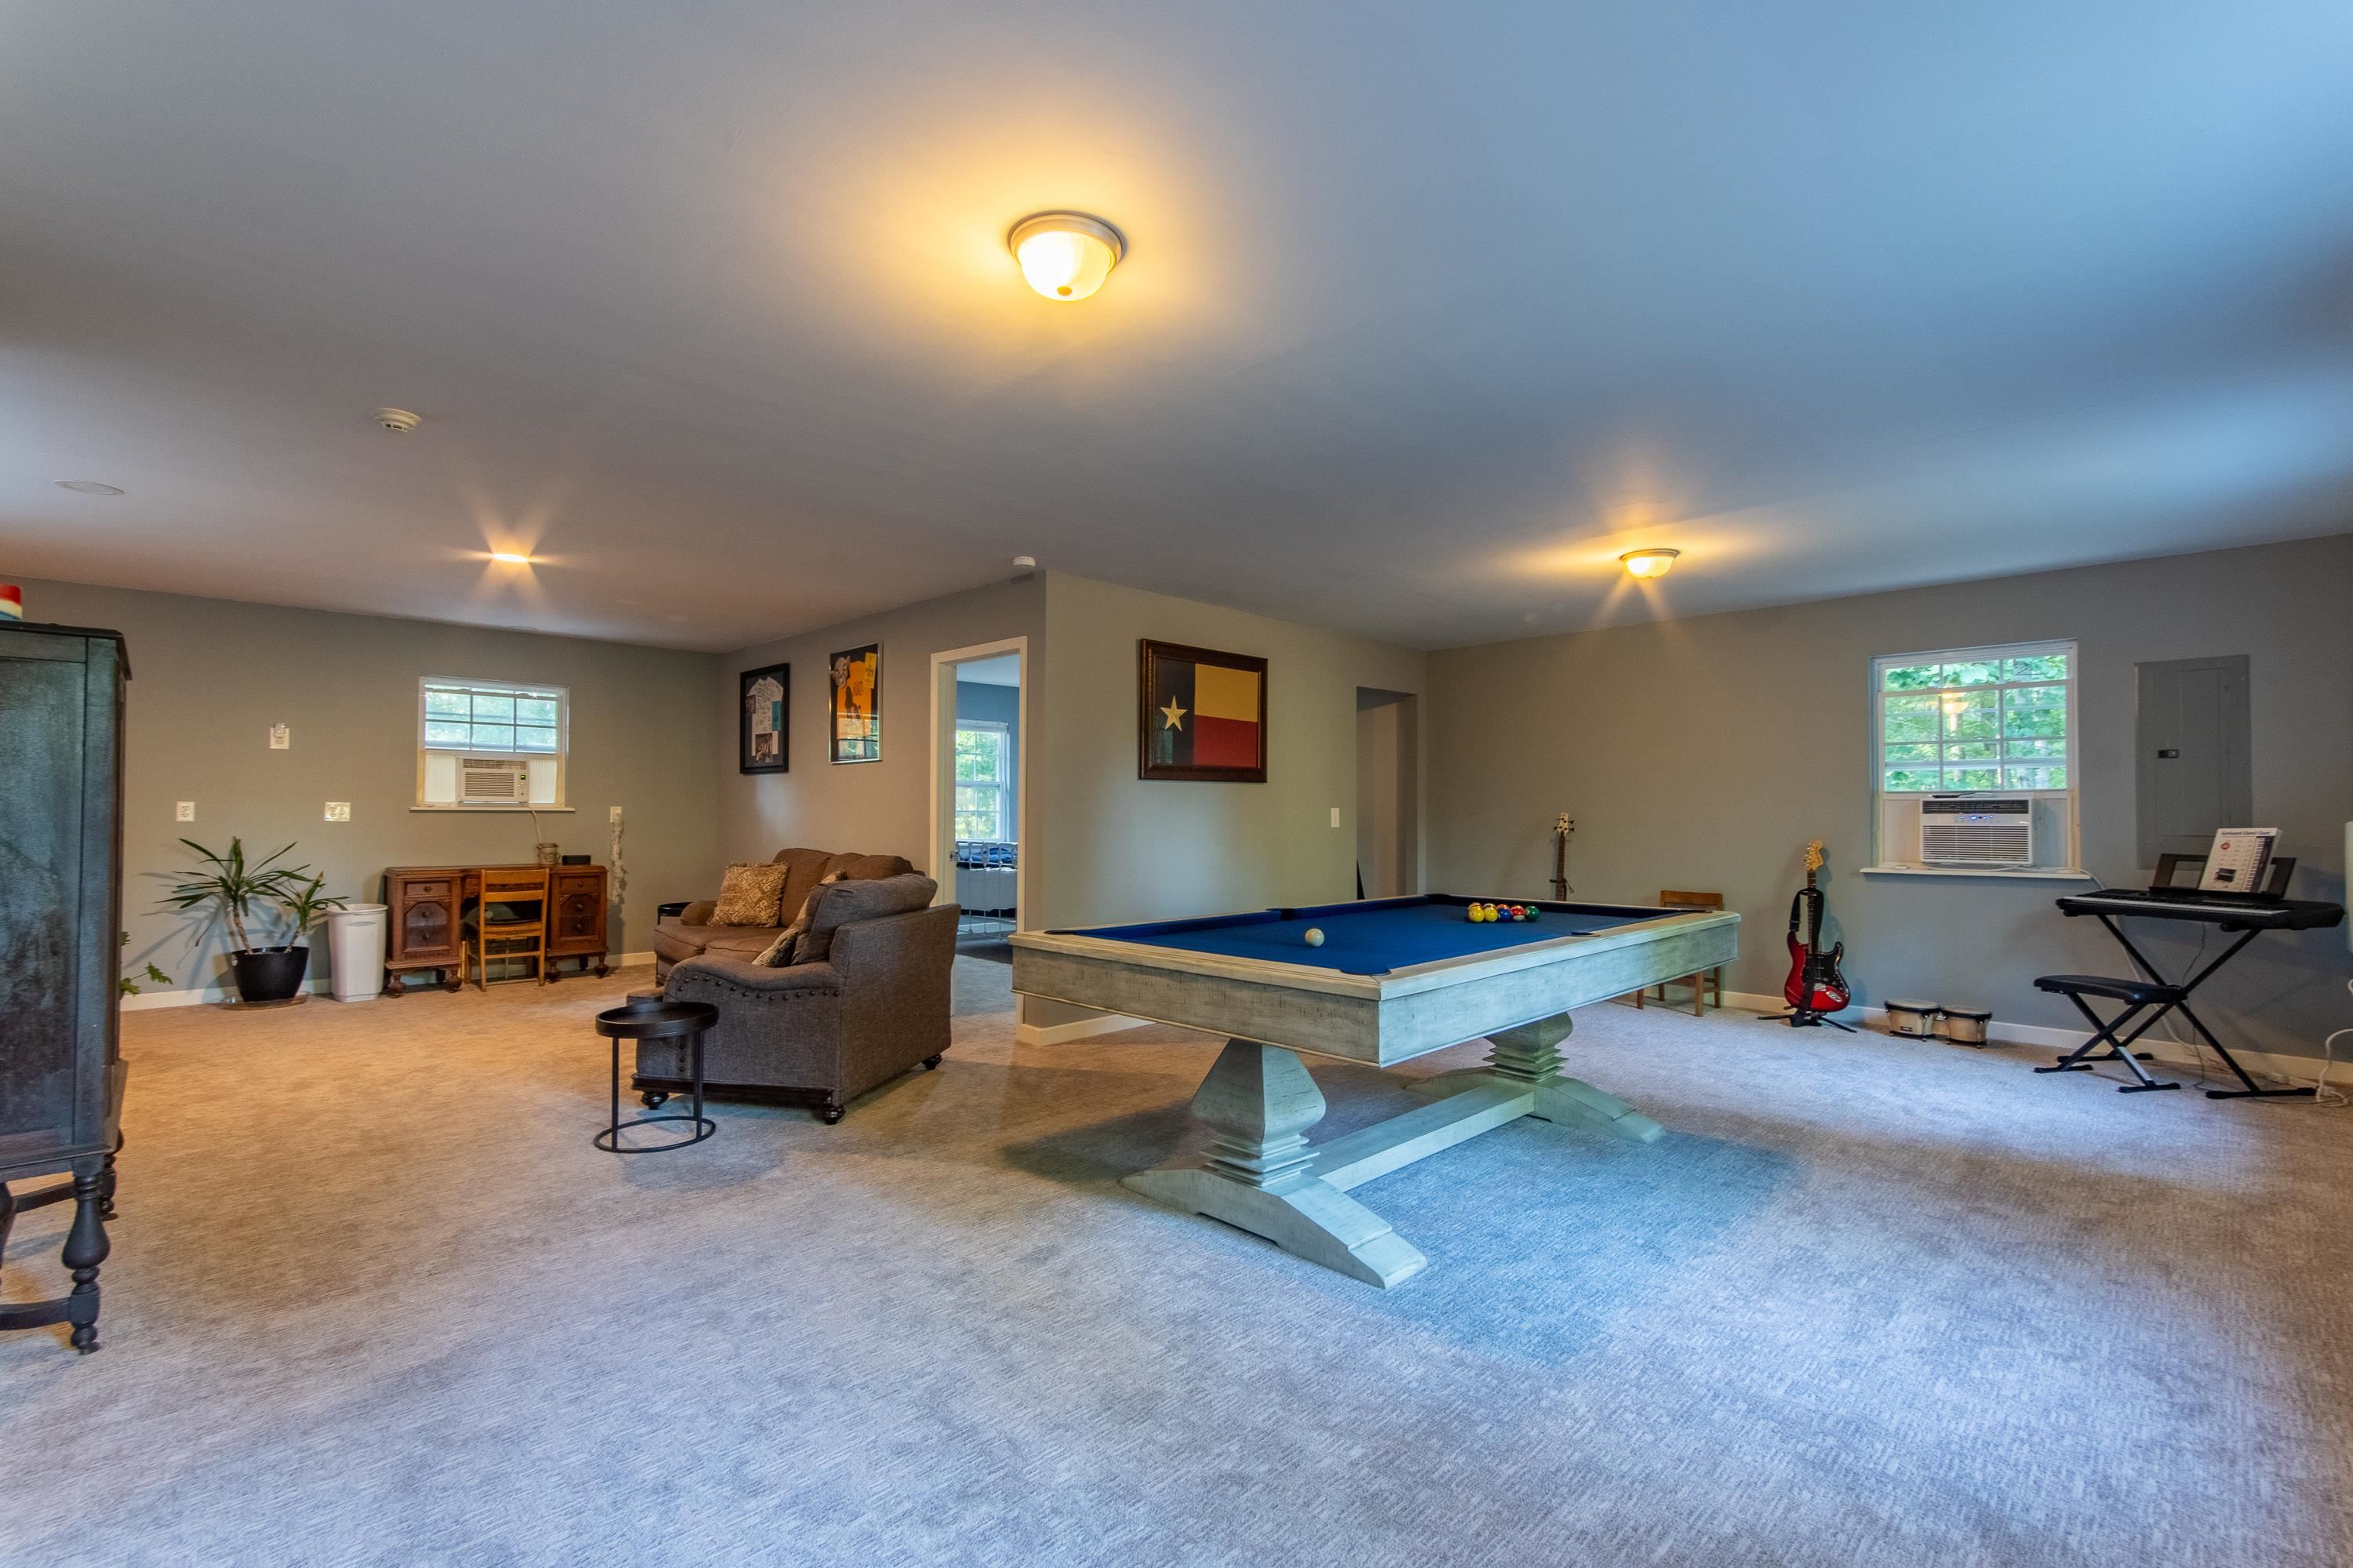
{"x":1374,"y":936}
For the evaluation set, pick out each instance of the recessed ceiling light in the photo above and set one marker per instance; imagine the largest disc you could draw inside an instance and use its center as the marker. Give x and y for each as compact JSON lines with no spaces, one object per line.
{"x":1066,"y":256}
{"x":510,"y":557}
{"x":88,"y":488}
{"x":1650,"y":562}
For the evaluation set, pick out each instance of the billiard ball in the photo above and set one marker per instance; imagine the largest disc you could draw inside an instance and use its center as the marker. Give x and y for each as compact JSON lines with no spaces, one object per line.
{"x":1519,"y":912}
{"x":1534,"y":912}
{"x":1315,"y":936}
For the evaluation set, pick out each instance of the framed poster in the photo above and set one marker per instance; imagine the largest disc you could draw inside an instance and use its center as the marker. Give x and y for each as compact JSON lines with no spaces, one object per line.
{"x":855,"y":680}
{"x":760,"y":734}
{"x":1201,"y":715}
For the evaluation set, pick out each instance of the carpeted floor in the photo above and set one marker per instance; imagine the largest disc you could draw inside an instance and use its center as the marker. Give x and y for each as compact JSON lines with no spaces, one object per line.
{"x":374,"y":1300}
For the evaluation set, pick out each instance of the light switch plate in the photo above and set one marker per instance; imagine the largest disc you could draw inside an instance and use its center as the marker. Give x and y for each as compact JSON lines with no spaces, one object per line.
{"x":281,"y":738}
{"x":185,"y":811}
{"x":616,"y":816}
{"x":1335,"y":817}
{"x":339,"y":811}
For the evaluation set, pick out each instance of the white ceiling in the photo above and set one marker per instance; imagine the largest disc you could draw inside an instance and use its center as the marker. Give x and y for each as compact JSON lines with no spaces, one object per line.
{"x":1429,"y":312}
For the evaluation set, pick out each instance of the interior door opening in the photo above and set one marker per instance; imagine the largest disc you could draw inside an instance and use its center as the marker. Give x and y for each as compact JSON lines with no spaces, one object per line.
{"x":979,"y":758}
{"x":1388,"y":814}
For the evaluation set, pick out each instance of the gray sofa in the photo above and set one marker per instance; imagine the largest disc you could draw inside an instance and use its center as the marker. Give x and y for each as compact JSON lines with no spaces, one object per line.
{"x":819,"y":1033}
{"x":684,"y":931}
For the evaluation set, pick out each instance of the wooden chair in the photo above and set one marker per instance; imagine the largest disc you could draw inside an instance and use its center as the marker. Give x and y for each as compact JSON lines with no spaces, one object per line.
{"x":507,"y":934}
{"x":1706,"y":979}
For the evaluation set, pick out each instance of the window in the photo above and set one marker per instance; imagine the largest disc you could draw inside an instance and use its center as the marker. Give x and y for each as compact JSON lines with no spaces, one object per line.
{"x":1984,"y":721}
{"x":518,"y":735}
{"x":983,"y":802}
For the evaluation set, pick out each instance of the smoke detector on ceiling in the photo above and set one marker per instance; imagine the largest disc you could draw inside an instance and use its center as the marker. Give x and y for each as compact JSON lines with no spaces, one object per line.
{"x":399,"y":421}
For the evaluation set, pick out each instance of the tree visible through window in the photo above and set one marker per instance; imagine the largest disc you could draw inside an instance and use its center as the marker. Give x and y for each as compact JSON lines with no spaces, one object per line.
{"x":1984,"y":720}
{"x":983,"y":801}
{"x":503,"y":719}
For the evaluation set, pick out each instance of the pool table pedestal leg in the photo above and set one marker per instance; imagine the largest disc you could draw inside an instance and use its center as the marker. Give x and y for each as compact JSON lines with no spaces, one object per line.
{"x":1528,"y":1057}
{"x":1258,"y":1171}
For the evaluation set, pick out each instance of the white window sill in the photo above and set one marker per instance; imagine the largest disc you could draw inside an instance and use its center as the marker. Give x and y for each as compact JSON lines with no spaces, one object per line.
{"x":2034,"y":874}
{"x":507,"y":810}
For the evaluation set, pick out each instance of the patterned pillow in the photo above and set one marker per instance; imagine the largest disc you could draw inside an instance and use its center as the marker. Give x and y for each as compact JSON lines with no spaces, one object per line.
{"x":749,"y":895}
{"x":778,"y":953}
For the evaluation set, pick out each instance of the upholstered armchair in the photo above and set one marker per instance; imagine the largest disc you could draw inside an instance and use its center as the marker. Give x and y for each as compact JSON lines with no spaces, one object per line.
{"x":819,"y":1033}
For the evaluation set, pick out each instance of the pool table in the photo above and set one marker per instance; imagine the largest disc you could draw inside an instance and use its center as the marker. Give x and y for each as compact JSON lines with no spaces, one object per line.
{"x":1391,"y":980}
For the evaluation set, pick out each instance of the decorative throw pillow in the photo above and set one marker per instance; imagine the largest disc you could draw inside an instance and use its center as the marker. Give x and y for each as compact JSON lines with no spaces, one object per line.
{"x":778,"y":953}
{"x":829,"y":908}
{"x":749,"y":895}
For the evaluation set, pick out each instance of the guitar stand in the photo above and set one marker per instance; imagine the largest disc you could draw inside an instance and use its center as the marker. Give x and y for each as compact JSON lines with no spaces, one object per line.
{"x":1806,"y":1018}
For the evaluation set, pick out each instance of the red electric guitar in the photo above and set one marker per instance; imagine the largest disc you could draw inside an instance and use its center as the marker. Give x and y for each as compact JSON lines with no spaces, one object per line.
{"x":1815,"y":986}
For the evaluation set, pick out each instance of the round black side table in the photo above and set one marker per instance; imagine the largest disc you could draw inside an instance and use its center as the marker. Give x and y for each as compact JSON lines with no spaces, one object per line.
{"x":655,"y":1021}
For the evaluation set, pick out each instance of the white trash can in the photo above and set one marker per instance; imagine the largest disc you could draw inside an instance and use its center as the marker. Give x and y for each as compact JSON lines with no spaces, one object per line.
{"x":355,"y":937}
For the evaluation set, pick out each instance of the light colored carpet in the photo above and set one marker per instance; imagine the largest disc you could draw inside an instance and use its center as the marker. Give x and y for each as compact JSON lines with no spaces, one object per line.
{"x":374,"y":1300}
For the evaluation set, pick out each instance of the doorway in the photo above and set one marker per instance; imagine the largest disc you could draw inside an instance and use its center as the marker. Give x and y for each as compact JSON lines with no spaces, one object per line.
{"x":1389,"y":809}
{"x":980,"y":710}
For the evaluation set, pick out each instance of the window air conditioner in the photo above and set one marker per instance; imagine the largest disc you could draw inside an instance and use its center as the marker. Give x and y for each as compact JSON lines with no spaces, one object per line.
{"x":1977,"y":830}
{"x":493,"y":781}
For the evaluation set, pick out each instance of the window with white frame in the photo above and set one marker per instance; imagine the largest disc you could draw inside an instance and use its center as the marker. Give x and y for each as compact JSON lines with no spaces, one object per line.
{"x":1962,"y":727}
{"x":487,"y":745}
{"x":984,"y":800}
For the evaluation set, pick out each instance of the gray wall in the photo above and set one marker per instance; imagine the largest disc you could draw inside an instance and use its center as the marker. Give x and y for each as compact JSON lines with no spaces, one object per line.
{"x":1703,"y":753}
{"x":210,"y":677}
{"x":879,"y":807}
{"x":1123,"y":848}
{"x":1002,"y":705}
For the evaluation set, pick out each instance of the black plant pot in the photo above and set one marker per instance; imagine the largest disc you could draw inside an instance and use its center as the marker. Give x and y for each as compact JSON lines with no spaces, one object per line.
{"x":269,"y":973}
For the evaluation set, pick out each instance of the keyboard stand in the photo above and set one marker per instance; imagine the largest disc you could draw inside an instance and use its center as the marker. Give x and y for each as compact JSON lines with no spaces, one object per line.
{"x":2252,"y":1091}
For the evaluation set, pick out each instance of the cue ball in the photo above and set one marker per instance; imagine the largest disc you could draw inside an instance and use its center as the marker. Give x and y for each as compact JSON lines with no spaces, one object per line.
{"x":1315,"y":936}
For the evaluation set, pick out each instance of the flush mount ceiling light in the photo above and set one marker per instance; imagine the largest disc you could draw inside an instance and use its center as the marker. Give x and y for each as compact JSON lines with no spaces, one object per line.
{"x":1650,"y":562}
{"x":88,"y":488}
{"x":1066,"y":256}
{"x":510,"y":557}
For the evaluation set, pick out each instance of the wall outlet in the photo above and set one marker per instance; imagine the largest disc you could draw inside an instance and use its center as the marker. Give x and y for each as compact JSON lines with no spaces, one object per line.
{"x":281,"y":738}
{"x":339,"y":811}
{"x":185,"y":811}
{"x":1335,"y":817}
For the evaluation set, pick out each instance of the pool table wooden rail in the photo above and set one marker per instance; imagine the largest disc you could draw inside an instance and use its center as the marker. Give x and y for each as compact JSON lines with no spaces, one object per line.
{"x":1382,"y":1019}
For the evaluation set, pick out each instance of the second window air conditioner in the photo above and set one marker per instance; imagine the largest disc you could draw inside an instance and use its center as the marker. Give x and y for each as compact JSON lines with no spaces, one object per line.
{"x":493,"y":781}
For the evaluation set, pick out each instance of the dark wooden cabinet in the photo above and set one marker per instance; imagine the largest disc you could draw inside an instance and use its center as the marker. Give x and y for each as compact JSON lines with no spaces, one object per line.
{"x":61,"y":701}
{"x":426,"y":907}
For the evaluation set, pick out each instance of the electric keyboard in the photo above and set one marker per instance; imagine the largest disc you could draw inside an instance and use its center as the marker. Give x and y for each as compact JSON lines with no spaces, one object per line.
{"x":2237,"y":911}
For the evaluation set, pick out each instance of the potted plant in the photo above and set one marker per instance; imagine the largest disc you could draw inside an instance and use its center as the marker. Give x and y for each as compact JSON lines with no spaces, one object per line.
{"x":271,"y":973}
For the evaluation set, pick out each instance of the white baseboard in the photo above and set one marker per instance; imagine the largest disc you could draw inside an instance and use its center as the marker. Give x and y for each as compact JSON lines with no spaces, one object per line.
{"x":1076,"y":1029}
{"x":194,"y":998}
{"x":205,"y":997}
{"x":2263,"y":1064}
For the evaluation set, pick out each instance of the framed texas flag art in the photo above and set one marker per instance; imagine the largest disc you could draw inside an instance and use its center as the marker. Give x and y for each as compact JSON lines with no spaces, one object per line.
{"x":1201,"y":715}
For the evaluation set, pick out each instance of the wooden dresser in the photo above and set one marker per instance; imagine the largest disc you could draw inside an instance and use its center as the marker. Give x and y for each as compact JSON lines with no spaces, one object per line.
{"x":61,"y":694}
{"x":425,"y":907}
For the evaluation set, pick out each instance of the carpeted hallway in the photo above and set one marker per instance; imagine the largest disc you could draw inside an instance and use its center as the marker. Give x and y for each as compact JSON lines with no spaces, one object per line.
{"x":374,"y":1300}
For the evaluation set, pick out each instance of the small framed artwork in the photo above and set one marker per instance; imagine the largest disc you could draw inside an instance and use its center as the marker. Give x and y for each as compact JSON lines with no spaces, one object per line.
{"x":1201,"y":715}
{"x":855,"y":680}
{"x":767,"y":701}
